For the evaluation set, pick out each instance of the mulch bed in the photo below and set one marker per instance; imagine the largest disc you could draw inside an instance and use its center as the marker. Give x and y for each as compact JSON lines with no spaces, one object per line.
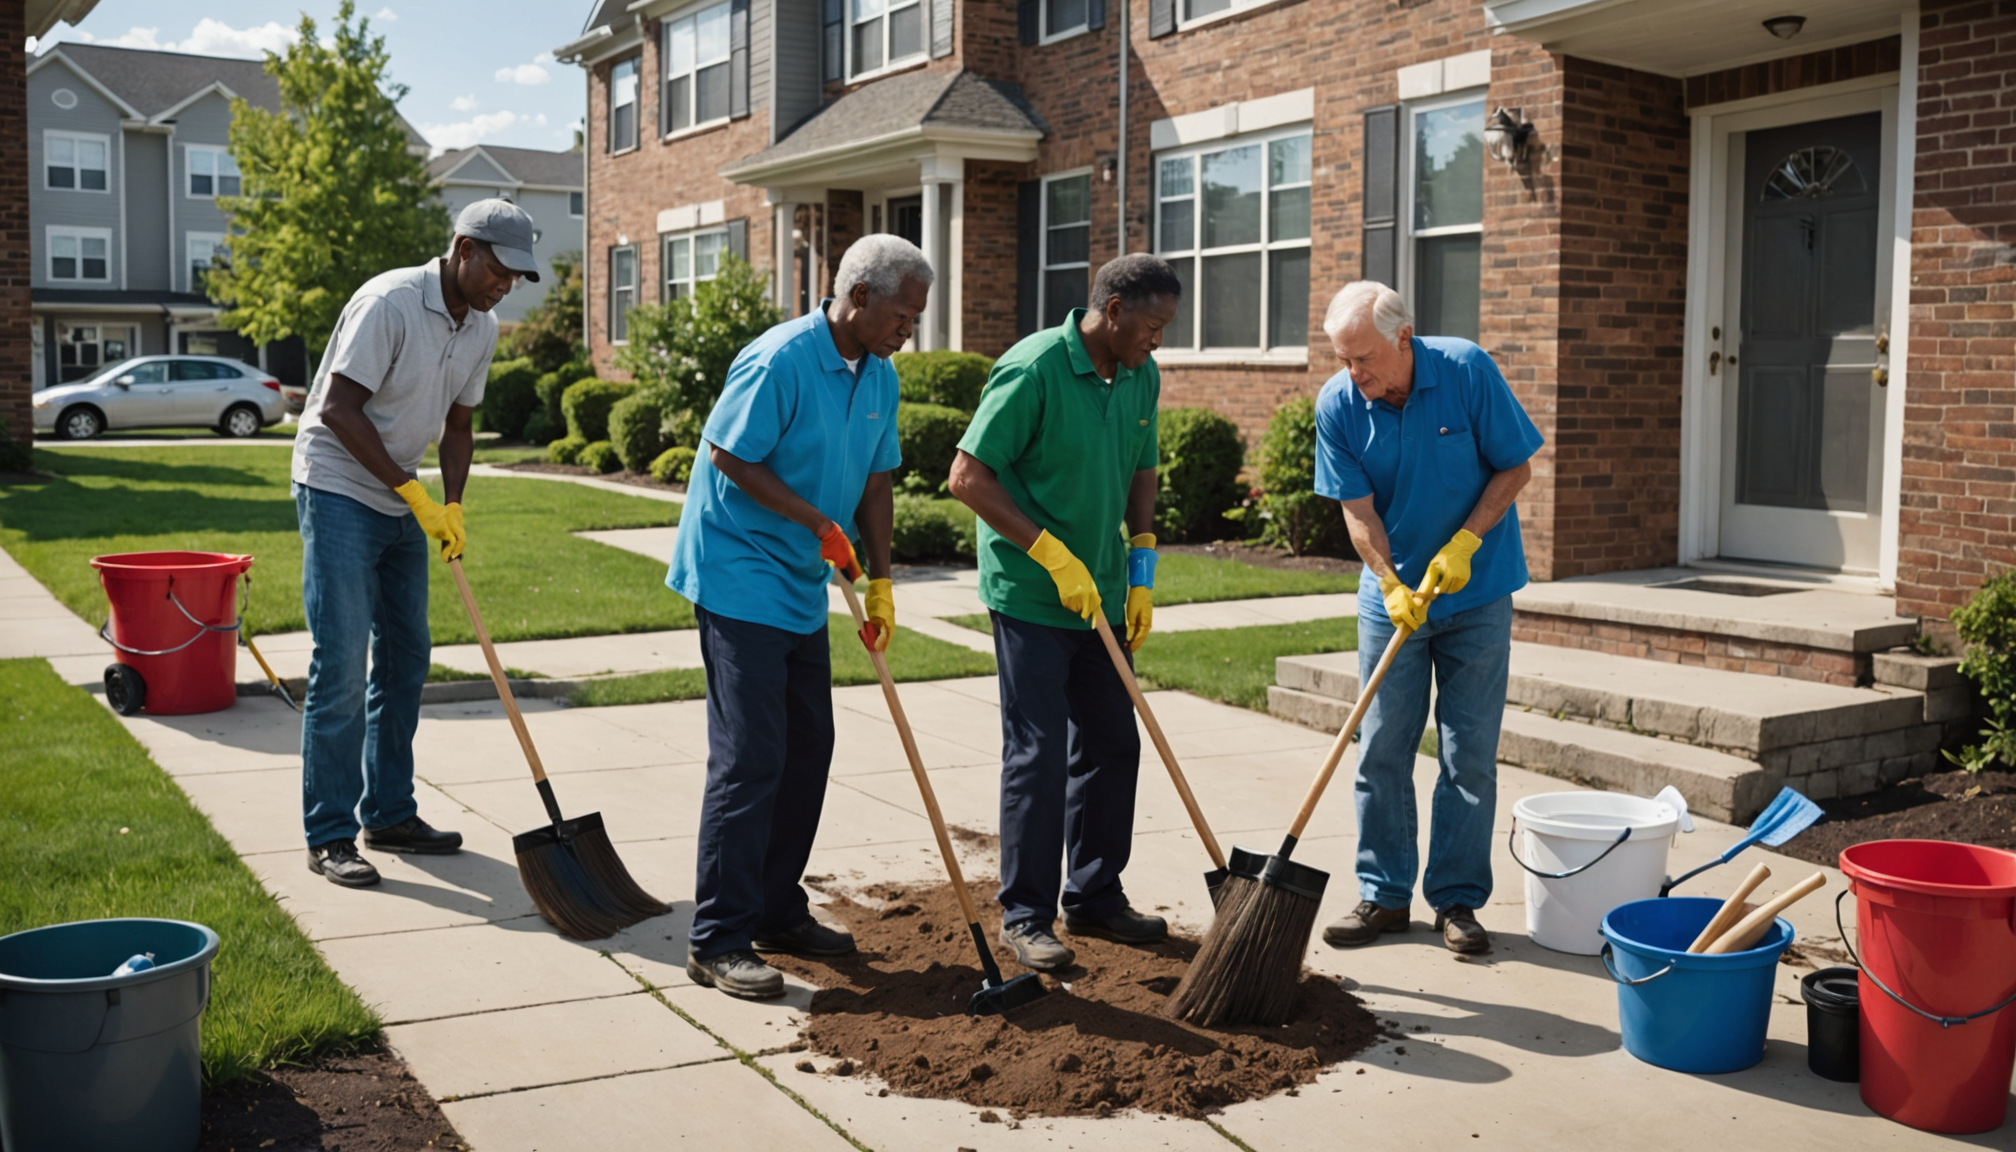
{"x":1096,"y":1045}
{"x":1967,"y":807}
{"x":1263,"y":556}
{"x":361,"y":1102}
{"x":634,"y":479}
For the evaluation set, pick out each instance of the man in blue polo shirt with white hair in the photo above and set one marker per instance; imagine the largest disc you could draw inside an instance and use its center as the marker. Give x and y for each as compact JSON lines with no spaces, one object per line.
{"x":1423,"y":443}
{"x":799,"y":448}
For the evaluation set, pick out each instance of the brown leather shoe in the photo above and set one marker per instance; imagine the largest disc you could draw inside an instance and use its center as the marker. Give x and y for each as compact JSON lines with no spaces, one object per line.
{"x":1460,"y":930}
{"x":1365,"y":923}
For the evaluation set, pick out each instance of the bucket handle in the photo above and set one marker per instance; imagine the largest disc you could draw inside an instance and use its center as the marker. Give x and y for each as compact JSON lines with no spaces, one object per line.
{"x":105,"y":629}
{"x":1512,"y":846}
{"x":1942,"y":1021}
{"x":1610,"y":967}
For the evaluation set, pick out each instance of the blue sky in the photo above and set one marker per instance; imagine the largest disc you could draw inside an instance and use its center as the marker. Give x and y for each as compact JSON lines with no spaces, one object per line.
{"x":477,"y":72}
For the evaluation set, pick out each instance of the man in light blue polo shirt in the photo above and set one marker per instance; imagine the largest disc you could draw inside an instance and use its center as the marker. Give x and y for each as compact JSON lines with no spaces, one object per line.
{"x":798,"y":449}
{"x":1424,"y":444}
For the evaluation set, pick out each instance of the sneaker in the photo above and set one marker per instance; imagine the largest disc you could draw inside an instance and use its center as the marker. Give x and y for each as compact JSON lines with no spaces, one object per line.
{"x":1125,"y":926}
{"x":1035,"y":946}
{"x":1364,"y":925}
{"x":338,"y":862}
{"x":809,"y":938}
{"x":1460,"y":930}
{"x":738,"y":973}
{"x":413,"y":835}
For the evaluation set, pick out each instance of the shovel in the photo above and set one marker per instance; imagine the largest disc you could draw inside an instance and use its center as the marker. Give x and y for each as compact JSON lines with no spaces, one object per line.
{"x":1786,"y":816}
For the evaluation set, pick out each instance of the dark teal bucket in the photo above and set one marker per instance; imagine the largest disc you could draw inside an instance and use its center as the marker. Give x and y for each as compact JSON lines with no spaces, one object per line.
{"x":92,"y":1062}
{"x":1683,"y":1011}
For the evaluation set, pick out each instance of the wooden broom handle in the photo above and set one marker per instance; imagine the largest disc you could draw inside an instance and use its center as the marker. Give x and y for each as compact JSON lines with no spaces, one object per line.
{"x":1732,"y":910}
{"x":1126,"y":672}
{"x":1343,"y":740}
{"x":966,"y":905}
{"x":1751,"y":928}
{"x":497,"y":674}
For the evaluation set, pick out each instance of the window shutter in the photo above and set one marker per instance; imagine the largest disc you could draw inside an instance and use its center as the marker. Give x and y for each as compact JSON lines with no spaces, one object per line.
{"x":1028,"y":253}
{"x":1095,"y":14}
{"x":831,"y":49}
{"x":1161,"y":18}
{"x":738,"y":237}
{"x":1381,"y":201}
{"x":738,"y":58}
{"x":941,"y":27}
{"x":1025,"y":21}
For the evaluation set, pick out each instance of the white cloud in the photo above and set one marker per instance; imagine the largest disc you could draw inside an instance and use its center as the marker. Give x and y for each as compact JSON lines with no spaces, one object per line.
{"x":386,"y":14}
{"x":209,"y":38}
{"x":464,"y":103}
{"x":543,"y":58}
{"x":463,"y":133}
{"x":540,"y":119}
{"x":527,"y":74}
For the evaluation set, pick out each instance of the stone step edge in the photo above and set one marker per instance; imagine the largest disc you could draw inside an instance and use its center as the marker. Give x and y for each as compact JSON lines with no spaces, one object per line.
{"x":1859,"y":641}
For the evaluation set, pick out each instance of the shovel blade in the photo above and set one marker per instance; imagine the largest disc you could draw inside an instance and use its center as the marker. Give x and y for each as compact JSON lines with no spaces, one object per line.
{"x":1000,"y":999}
{"x":1788,"y":814}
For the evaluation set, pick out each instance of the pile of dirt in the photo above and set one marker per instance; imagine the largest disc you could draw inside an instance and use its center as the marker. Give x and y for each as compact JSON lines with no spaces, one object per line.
{"x":1969,"y":807}
{"x":361,"y":1102}
{"x":1096,"y":1045}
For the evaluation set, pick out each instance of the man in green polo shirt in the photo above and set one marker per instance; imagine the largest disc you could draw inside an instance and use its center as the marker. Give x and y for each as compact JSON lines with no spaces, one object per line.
{"x":1059,"y":459}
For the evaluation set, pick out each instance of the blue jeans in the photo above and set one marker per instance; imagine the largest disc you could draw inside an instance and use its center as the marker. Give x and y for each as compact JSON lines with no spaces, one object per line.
{"x":1468,"y":654}
{"x":364,"y":584}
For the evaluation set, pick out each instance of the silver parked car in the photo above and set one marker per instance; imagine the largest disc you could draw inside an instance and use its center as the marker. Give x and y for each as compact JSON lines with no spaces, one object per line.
{"x":234,"y":398}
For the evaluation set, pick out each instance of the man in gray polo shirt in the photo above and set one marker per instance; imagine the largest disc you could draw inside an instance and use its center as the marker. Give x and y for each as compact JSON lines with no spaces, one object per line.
{"x":405,"y":366}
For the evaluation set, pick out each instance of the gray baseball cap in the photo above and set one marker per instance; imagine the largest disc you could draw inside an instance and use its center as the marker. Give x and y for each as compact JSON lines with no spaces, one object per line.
{"x":507,"y":229}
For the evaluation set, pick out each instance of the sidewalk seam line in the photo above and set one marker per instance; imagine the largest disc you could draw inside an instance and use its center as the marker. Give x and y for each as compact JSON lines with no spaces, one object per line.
{"x":460,"y":1097}
{"x":509,"y":1008}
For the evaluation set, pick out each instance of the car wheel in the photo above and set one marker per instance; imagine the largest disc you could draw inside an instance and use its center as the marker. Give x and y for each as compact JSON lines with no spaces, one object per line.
{"x":80,"y":423}
{"x":125,"y":691}
{"x":241,"y":421}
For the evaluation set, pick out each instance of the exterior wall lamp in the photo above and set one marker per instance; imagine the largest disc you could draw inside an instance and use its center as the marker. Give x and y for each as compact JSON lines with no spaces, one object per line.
{"x":1507,"y":136}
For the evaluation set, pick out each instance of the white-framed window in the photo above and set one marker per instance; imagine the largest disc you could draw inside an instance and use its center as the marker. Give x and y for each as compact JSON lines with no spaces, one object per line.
{"x":75,"y":161}
{"x":623,"y":105}
{"x":1193,"y":11}
{"x":212,"y":172}
{"x":1232,"y":217}
{"x":1064,"y":18}
{"x":1442,"y":258}
{"x":80,"y":254}
{"x":205,"y":248}
{"x":576,"y":204}
{"x":689,"y":259}
{"x":83,"y":350}
{"x":1067,"y":246}
{"x":696,"y":69}
{"x":882,"y":34}
{"x":622,"y":291}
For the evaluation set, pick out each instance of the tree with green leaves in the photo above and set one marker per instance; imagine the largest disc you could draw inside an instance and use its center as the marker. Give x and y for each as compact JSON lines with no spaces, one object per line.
{"x":681,"y":350}
{"x":332,"y":196}
{"x":550,"y":333}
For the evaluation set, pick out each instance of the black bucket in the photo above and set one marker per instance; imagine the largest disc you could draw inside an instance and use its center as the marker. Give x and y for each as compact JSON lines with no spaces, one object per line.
{"x":1833,"y":1023}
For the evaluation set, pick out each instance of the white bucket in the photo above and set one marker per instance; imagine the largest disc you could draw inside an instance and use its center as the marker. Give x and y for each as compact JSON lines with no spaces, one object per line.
{"x":1578,"y":832}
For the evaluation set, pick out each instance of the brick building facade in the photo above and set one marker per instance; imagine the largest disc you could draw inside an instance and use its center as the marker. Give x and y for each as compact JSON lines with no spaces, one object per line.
{"x":1276,"y":149}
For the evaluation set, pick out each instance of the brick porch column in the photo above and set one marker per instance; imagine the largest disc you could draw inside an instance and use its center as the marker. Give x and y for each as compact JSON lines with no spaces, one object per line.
{"x":16,"y":320}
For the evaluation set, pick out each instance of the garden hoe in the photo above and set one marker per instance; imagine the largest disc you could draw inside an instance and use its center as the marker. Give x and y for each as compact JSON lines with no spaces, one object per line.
{"x":995,"y":996}
{"x":1788,"y":814}
{"x":569,"y":867}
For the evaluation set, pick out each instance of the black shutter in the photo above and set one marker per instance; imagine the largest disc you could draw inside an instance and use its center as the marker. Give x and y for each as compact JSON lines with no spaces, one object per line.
{"x":1161,"y":18}
{"x":1028,"y":253}
{"x":1025,"y":21}
{"x":832,"y":50}
{"x":1095,"y":14}
{"x":738,"y":237}
{"x":738,"y":58}
{"x":941,"y":27}
{"x":1381,"y":201}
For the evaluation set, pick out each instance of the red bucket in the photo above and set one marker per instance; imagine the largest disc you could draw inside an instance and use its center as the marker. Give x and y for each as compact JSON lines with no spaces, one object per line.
{"x":1937,"y":923}
{"x":174,"y":623}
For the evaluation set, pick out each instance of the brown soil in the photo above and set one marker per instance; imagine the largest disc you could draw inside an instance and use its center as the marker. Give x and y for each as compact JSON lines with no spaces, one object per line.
{"x":1262,"y":556}
{"x":365,"y":1102}
{"x":1967,"y":807}
{"x":634,"y":479}
{"x":1097,"y":1044}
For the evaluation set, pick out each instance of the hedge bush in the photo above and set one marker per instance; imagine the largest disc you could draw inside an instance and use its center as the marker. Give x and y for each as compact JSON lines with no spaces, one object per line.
{"x":633,"y":429}
{"x":953,"y":379}
{"x":929,"y":437}
{"x":599,"y":456}
{"x":586,"y":404}
{"x":539,"y":430}
{"x":565,"y":450}
{"x":509,"y":398}
{"x":674,"y":465}
{"x":927,"y":530}
{"x":1987,"y":625}
{"x":1295,"y":517}
{"x":1201,"y":454}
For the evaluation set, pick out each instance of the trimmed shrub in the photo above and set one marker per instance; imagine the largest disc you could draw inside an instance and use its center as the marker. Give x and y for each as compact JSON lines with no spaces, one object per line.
{"x":928,"y":530}
{"x":929,"y":437}
{"x":1296,"y":517}
{"x":565,"y":450}
{"x":551,"y":387}
{"x":508,"y":399}
{"x":586,"y":404}
{"x":1201,"y":454}
{"x":1987,"y":625}
{"x":633,"y":429}
{"x":599,"y":456}
{"x":539,"y":430}
{"x":953,"y":379}
{"x":674,"y":465}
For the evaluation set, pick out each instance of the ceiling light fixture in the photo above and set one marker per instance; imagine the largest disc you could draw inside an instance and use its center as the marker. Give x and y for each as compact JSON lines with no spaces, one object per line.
{"x":1784,"y":27}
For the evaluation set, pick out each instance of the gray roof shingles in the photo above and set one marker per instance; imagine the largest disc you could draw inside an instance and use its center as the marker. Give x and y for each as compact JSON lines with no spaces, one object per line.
{"x":954,"y":99}
{"x":526,"y":165}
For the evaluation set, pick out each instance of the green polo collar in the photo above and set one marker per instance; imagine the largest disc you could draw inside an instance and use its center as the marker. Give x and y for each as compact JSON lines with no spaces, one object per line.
{"x":1081,"y":360}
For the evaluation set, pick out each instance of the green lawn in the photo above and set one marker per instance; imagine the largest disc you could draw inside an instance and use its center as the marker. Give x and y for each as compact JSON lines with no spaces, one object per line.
{"x":911,"y":657}
{"x":532,"y":578}
{"x":1187,"y":579}
{"x":74,"y":780}
{"x":490,"y":453}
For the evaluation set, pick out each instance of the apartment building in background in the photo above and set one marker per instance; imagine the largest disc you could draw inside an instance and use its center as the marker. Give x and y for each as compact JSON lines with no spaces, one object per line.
{"x":550,"y":186}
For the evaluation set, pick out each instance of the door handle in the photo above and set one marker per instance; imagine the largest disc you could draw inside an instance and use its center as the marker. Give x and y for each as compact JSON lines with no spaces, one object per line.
{"x":1714,"y":361}
{"x":1880,"y":377}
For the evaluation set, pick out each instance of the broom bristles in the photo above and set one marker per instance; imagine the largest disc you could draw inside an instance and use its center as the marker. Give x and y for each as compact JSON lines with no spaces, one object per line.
{"x":598,"y":858}
{"x":1249,"y":968}
{"x":568,"y":883}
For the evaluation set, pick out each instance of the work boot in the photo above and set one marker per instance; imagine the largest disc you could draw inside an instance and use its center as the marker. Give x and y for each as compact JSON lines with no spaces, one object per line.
{"x":338,"y":862}
{"x":809,"y":938}
{"x":1125,"y":926}
{"x":738,"y":973}
{"x":413,"y":835}
{"x":1460,"y":930}
{"x":1365,"y":923}
{"x":1035,"y":946}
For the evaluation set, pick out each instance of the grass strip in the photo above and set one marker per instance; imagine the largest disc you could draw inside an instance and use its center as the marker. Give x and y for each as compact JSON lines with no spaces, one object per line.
{"x":442,"y":674}
{"x":1182,"y":578}
{"x":91,"y":828}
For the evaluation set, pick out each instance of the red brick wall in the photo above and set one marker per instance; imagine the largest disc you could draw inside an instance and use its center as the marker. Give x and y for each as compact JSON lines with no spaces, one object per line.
{"x":16,"y":322}
{"x":1790,"y":73}
{"x":1959,"y":484}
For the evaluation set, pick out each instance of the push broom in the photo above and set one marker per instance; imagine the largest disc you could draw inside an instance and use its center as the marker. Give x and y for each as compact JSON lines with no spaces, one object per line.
{"x":995,"y":996}
{"x":1249,"y":968}
{"x":569,"y":867}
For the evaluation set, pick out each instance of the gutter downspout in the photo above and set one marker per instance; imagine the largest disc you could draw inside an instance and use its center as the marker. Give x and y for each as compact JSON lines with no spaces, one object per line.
{"x":1120,"y":161}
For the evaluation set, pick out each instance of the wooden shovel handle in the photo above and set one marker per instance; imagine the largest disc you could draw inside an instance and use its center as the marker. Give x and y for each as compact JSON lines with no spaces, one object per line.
{"x":1126,"y":672}
{"x":1751,"y":928}
{"x":497,"y":673}
{"x":1732,"y":910}
{"x":1343,"y":741}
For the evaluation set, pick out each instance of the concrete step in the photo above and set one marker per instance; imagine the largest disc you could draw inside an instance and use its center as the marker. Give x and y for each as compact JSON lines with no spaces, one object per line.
{"x":1756,"y":608}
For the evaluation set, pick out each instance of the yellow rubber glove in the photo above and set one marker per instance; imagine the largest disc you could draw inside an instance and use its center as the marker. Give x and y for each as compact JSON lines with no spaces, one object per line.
{"x":1449,"y":571}
{"x":1075,"y":589}
{"x":1404,"y":608}
{"x":1140,"y":589}
{"x":880,"y":607}
{"x":442,"y":522}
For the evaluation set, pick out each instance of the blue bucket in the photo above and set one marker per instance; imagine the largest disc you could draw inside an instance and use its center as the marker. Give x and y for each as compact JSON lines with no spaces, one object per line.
{"x":1683,"y":1011}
